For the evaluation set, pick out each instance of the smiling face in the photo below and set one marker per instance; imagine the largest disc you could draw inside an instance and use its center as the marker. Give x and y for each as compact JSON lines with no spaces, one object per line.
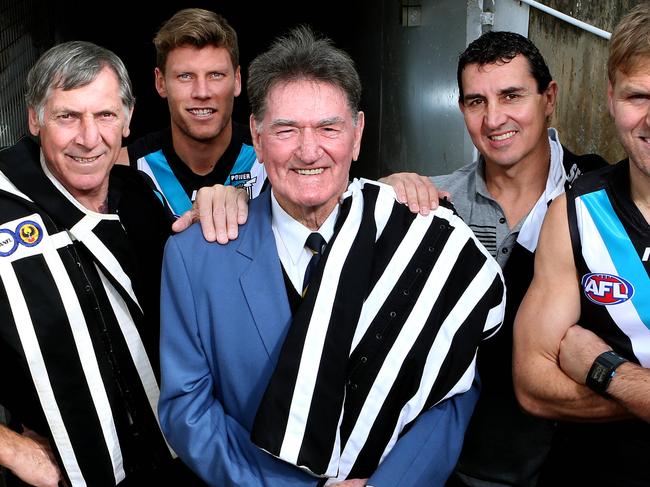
{"x":629,"y":104}
{"x":81,"y":136}
{"x":307,"y":141}
{"x":200,"y":85}
{"x":505,"y":115}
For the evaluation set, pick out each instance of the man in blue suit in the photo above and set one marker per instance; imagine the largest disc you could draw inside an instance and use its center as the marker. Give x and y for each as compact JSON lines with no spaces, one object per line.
{"x":238,"y":328}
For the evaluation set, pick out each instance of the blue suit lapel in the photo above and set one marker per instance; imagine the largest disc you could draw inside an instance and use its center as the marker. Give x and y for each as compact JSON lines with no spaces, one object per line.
{"x":262,"y":283}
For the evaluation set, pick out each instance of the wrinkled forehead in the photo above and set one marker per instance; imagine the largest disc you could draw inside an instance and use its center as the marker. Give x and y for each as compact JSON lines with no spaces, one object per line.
{"x":306,"y":99}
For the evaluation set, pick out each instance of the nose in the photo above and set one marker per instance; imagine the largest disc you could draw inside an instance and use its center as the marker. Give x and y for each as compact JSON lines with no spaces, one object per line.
{"x":494,"y":116}
{"x":200,"y":89}
{"x":88,"y":135}
{"x":309,"y":150}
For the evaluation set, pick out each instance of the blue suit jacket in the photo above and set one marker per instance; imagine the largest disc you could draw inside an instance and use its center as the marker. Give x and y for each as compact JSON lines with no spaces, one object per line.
{"x":224,"y":316}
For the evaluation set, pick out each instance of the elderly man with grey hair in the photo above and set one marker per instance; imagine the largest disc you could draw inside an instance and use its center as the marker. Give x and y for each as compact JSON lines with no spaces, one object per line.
{"x":337,"y":344}
{"x":80,"y":249}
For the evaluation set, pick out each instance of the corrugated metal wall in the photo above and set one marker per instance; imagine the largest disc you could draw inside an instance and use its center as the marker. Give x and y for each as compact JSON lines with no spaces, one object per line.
{"x":17,"y":54}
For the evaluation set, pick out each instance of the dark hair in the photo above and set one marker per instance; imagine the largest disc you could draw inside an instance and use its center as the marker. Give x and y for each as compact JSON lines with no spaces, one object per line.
{"x":299,"y":55}
{"x":503,"y":47}
{"x":198,"y":28}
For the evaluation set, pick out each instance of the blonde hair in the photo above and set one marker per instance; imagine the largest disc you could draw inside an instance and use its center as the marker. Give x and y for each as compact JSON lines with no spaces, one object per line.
{"x":195,"y":27}
{"x":630,"y":41}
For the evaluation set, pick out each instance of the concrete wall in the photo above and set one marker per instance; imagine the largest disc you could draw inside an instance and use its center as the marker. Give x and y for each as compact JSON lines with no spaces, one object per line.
{"x":577,"y":60}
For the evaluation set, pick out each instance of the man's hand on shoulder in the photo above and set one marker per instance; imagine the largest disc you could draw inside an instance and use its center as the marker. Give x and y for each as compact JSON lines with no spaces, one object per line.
{"x":418,"y":192}
{"x":31,"y":458}
{"x":220,"y":209}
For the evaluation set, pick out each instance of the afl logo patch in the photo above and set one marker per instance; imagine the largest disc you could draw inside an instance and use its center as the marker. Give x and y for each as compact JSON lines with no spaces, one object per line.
{"x":29,"y":233}
{"x":606,"y":289}
{"x":8,"y":242}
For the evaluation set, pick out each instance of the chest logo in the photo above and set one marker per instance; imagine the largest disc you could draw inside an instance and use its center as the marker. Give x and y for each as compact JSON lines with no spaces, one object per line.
{"x":606,"y":289}
{"x":29,"y":233}
{"x":8,"y":242}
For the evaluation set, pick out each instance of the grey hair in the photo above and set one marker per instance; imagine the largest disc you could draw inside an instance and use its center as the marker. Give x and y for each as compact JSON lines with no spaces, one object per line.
{"x":302,"y":55}
{"x":72,"y":65}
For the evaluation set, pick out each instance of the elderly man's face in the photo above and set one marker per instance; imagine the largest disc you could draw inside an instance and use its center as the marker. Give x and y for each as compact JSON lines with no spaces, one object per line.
{"x":81,"y":136}
{"x":307,"y":142}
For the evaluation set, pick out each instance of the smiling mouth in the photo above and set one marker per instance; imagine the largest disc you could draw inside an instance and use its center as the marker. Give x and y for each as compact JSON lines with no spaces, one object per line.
{"x":85,"y":160}
{"x":310,"y":172}
{"x":201,"y":112}
{"x":500,"y":137}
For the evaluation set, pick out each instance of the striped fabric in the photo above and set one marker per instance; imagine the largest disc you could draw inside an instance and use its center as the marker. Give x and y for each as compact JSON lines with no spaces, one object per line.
{"x":53,"y":323}
{"x":389,"y":328}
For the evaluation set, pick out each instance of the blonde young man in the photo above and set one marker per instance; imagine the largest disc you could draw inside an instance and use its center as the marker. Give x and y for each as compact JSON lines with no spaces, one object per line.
{"x":582,"y":332}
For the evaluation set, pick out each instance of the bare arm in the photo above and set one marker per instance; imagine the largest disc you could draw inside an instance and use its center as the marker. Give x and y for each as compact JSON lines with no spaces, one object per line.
{"x":418,"y":192}
{"x":551,"y":306}
{"x":630,"y":386}
{"x":29,"y":456}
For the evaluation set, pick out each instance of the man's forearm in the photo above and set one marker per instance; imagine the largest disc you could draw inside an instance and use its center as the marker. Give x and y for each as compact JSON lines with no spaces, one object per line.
{"x":630,"y":387}
{"x":8,"y":439}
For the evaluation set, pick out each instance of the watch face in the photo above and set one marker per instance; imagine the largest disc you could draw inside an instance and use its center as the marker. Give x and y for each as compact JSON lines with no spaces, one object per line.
{"x":599,"y":373}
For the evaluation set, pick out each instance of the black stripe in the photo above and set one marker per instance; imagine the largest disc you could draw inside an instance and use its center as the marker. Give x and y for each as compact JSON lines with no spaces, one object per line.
{"x":328,"y":396}
{"x":64,"y":369}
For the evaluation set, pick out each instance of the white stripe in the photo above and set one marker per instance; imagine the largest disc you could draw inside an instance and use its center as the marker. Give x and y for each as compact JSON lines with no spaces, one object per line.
{"x":135,"y":345}
{"x":89,"y":364}
{"x":412,"y":328}
{"x":144,"y":166}
{"x":39,"y":374}
{"x":318,"y":326}
{"x":83,"y":231}
{"x":624,"y":314}
{"x":459,"y":387}
{"x":402,"y":257}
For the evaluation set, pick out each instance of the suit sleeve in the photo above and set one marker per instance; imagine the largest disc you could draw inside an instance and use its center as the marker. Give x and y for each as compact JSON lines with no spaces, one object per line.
{"x":428,"y":452}
{"x":212,"y":443}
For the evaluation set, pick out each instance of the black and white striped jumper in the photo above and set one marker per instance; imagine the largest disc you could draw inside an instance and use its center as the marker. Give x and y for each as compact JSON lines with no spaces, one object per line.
{"x":389,"y":327}
{"x":78,"y":358}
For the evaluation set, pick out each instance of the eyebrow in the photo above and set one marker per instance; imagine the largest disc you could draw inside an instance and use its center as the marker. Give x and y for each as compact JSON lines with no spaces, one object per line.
{"x":286,"y":122}
{"x":503,"y":91}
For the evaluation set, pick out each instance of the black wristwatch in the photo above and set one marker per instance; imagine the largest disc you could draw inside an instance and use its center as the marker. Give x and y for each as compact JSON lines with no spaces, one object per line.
{"x":602,"y":371}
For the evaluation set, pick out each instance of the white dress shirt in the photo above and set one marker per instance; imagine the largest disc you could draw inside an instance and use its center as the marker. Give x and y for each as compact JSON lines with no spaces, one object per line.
{"x":290,"y":237}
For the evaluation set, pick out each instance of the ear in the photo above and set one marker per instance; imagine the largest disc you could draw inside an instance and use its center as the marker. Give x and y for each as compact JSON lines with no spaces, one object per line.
{"x":550,"y":95}
{"x":461,"y":105}
{"x":161,"y":86}
{"x":237,"y":81}
{"x":126,"y":130}
{"x":610,"y":98}
{"x":358,"y":132}
{"x":257,"y":139}
{"x":34,"y":124}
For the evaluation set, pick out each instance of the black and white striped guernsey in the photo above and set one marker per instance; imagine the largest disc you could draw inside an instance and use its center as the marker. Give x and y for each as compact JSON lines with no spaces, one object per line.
{"x":389,"y":328}
{"x":74,"y":343}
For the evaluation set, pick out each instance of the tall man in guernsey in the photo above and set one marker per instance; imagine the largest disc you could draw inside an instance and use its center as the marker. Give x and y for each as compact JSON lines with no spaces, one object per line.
{"x":358,"y":370}
{"x":582,"y":333}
